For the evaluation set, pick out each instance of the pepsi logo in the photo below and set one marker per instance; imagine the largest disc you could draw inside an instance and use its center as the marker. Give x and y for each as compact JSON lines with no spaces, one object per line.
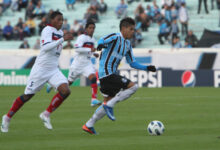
{"x":188,"y":79}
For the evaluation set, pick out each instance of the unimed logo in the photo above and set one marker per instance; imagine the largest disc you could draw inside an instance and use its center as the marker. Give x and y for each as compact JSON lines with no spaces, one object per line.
{"x":12,"y":79}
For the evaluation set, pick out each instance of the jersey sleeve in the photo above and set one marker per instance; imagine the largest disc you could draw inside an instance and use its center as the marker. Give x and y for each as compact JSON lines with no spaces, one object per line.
{"x":129,"y":55}
{"x":47,"y":43}
{"x":131,"y":60}
{"x":79,"y":45}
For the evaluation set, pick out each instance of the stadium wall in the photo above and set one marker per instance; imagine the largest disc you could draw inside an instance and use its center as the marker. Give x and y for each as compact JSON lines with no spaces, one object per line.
{"x":176,"y":67}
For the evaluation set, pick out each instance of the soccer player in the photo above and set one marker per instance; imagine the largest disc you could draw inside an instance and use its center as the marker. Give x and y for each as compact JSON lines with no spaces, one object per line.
{"x":82,"y":61}
{"x":45,"y":70}
{"x":114,"y":87}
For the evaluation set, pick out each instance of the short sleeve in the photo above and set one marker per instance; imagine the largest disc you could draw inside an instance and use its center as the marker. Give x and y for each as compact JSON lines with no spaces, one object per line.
{"x":46,"y":36}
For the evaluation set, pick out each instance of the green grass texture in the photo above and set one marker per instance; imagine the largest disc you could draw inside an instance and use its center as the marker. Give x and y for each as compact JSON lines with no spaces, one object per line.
{"x":191,"y":117}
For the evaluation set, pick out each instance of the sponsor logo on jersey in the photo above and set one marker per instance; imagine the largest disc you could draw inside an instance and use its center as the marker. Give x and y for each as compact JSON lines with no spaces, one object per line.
{"x":188,"y":79}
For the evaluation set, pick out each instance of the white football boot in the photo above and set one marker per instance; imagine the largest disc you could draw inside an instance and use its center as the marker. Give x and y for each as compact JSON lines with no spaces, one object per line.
{"x":5,"y":123}
{"x":46,"y":121}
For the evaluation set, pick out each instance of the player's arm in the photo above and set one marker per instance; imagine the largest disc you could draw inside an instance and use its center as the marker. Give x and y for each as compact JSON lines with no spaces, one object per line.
{"x":134,"y":64}
{"x":47,"y":42}
{"x":106,"y":40}
{"x":79,"y":46}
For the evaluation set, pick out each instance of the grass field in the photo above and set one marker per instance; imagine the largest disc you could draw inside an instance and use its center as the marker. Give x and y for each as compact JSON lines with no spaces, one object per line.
{"x":191,"y":117}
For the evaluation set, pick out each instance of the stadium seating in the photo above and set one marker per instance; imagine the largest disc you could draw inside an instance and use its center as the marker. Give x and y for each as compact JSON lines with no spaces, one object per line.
{"x":109,"y":22}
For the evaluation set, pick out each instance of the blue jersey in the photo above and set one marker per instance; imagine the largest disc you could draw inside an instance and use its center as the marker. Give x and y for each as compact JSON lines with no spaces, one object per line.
{"x":111,"y":56}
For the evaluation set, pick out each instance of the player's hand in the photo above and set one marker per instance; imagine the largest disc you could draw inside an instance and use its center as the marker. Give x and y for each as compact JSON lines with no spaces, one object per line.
{"x":100,"y":46}
{"x":151,"y":68}
{"x":93,"y":49}
{"x":68,"y":37}
{"x":96,"y":55}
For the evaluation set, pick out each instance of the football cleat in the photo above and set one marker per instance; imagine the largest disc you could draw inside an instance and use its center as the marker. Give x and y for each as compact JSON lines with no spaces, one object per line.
{"x":46,"y":121}
{"x":109,"y":112}
{"x":5,"y":123}
{"x":49,"y":88}
{"x":95,"y":102}
{"x":90,"y":130}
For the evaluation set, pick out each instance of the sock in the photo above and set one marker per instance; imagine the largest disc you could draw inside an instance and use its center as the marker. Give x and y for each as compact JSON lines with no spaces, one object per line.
{"x":122,"y":95}
{"x":99,"y":114}
{"x":18,"y":103}
{"x":94,"y":90}
{"x":46,"y":113}
{"x":55,"y":103}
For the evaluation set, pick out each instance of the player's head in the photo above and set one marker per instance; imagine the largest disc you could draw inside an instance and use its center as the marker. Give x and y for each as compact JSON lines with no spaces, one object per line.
{"x":127,"y":27}
{"x":56,"y":19}
{"x":90,"y":28}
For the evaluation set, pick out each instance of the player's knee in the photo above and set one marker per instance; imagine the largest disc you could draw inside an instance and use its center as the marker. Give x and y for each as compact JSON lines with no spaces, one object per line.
{"x":134,"y":87}
{"x":93,"y":80}
{"x":26,"y":98}
{"x":65,"y":93}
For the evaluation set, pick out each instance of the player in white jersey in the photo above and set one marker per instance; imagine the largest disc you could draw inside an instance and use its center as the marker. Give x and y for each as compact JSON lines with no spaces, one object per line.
{"x":82,"y":64}
{"x":45,"y":70}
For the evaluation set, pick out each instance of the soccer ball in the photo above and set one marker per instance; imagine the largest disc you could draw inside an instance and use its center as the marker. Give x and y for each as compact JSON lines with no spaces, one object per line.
{"x":155,"y":128}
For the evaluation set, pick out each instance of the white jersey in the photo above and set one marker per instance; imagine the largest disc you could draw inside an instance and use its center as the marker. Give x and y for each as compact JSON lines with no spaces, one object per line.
{"x":46,"y":68}
{"x":51,"y":47}
{"x":82,"y":64}
{"x":83,"y":46}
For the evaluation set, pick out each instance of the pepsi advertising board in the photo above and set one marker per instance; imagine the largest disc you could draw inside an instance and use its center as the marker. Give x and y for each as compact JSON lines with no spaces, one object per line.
{"x":187,"y":78}
{"x":169,"y":77}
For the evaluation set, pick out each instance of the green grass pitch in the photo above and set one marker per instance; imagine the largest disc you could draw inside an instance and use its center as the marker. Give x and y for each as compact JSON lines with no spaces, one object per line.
{"x":191,"y":117}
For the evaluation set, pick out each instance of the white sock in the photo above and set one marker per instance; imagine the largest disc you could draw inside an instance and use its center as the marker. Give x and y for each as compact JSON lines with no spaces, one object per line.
{"x":46,"y":113}
{"x":123,"y":95}
{"x":99,"y":114}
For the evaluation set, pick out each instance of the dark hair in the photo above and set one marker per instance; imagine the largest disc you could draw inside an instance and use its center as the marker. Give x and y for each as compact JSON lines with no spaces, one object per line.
{"x":54,"y":14}
{"x":88,"y":23}
{"x":126,"y":22}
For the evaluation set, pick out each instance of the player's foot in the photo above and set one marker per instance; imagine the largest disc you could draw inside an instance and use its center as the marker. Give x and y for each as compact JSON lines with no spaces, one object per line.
{"x":46,"y":121}
{"x":95,"y":102}
{"x":90,"y":130}
{"x":49,"y":88}
{"x":5,"y":123}
{"x":109,"y":112}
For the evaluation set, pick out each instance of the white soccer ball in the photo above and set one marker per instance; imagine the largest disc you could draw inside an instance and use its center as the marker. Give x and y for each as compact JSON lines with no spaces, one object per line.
{"x":155,"y":128}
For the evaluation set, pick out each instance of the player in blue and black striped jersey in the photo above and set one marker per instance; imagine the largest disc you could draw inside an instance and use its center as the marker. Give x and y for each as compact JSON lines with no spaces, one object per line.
{"x":114,"y":87}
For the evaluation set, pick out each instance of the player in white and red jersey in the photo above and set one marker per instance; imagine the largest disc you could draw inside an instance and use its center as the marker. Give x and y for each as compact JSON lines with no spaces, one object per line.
{"x":82,"y":65}
{"x":45,"y":70}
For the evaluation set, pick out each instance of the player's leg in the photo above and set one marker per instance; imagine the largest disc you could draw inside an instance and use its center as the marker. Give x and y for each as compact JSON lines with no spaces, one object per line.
{"x":106,"y":89}
{"x":123,"y":95}
{"x":17,"y":104}
{"x":58,"y":81}
{"x":89,"y":72}
{"x":98,"y":114}
{"x":128,"y":87}
{"x":94,"y":86}
{"x":34,"y":84}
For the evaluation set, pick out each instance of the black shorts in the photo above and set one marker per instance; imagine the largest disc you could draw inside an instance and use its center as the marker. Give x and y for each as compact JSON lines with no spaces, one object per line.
{"x":112,"y":84}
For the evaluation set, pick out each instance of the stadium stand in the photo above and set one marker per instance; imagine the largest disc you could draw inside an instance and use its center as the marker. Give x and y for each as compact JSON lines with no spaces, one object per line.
{"x":108,"y":22}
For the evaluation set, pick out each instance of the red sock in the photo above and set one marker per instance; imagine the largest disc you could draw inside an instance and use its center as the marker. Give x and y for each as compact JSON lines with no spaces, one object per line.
{"x":15,"y":107}
{"x":94,"y":90}
{"x":56,"y":101}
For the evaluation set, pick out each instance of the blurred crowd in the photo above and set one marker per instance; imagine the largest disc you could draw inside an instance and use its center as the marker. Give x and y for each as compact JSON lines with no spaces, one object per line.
{"x":168,"y":15}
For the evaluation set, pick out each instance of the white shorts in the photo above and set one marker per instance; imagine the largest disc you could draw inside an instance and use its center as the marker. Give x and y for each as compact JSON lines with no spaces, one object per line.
{"x":38,"y":77}
{"x":76,"y":70}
